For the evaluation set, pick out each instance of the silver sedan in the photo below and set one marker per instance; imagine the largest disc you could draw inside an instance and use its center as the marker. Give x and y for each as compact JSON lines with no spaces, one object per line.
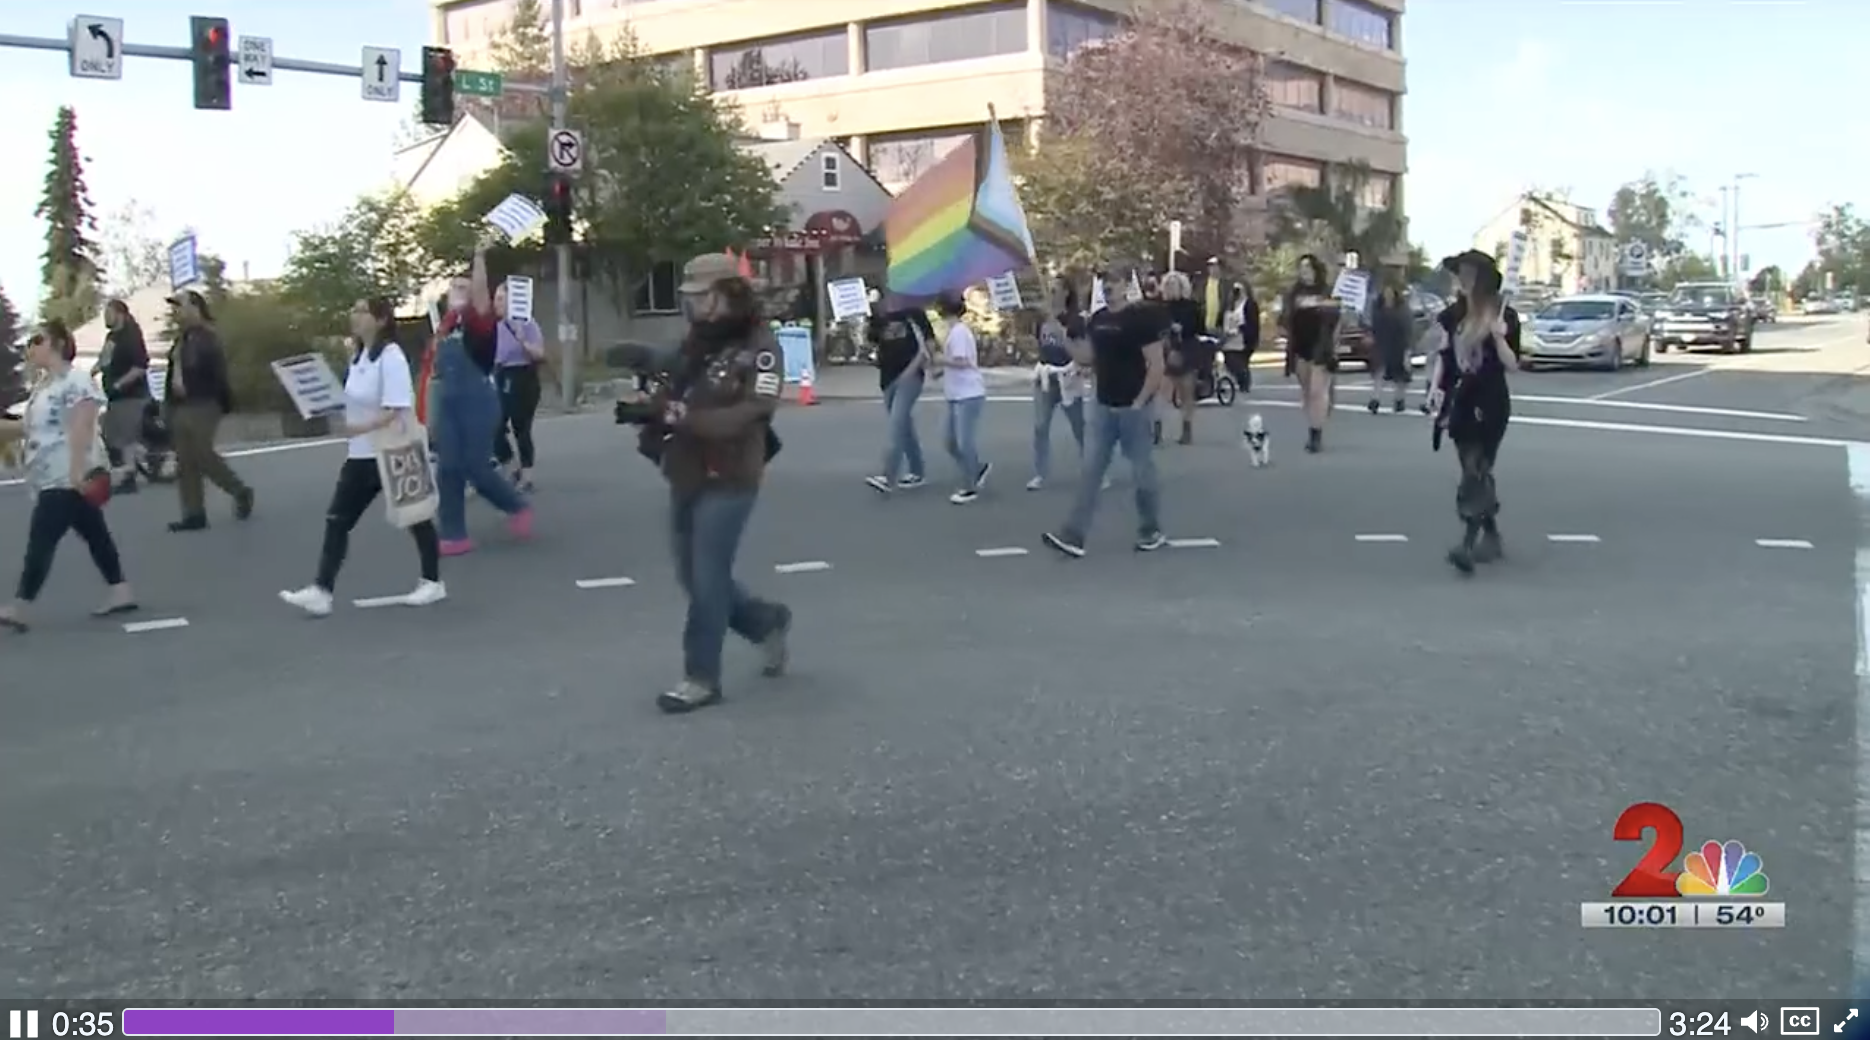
{"x":1594,"y":331}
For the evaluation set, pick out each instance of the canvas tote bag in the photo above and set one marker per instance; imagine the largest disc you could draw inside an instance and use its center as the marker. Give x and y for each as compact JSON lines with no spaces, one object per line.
{"x":408,"y":475}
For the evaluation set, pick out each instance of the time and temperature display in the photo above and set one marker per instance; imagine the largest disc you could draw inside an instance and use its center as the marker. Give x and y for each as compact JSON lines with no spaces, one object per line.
{"x":1721,"y":884}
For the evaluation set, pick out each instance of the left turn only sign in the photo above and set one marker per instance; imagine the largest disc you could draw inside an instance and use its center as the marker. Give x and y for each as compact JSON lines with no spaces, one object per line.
{"x":96,"y":47}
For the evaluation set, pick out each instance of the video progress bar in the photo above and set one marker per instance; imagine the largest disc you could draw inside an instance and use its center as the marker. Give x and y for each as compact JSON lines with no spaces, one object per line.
{"x":920,"y":1022}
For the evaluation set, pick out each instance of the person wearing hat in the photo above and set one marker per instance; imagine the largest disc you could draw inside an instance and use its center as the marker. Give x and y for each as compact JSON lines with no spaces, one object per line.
{"x":198,"y":395}
{"x":713,"y":445}
{"x":1474,"y":343}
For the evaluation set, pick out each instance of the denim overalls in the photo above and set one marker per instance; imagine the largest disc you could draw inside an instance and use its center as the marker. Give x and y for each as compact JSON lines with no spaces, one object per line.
{"x":465,"y":417}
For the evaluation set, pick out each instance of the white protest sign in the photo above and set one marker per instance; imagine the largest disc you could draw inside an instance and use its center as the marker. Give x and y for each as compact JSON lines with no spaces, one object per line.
{"x":850,"y":298}
{"x":1005,"y":292}
{"x":519,"y":298}
{"x":1515,"y":259}
{"x":517,"y":216}
{"x":309,"y":381}
{"x":184,"y":264}
{"x":1100,"y":300}
{"x":1353,"y":289}
{"x":158,"y":379}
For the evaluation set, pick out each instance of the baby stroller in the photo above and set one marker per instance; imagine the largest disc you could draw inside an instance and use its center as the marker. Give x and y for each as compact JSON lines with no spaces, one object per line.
{"x":1212,"y":381}
{"x":158,"y":462}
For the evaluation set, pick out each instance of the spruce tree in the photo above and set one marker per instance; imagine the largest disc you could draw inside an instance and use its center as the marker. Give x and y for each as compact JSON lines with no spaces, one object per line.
{"x":12,"y":358}
{"x":70,"y":267}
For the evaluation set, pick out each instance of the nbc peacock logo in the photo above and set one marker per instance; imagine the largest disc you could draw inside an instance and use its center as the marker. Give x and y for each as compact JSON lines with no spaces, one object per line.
{"x":1722,"y":869}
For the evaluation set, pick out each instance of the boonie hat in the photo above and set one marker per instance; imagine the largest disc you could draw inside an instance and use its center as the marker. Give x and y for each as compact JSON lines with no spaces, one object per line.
{"x":700,"y":274}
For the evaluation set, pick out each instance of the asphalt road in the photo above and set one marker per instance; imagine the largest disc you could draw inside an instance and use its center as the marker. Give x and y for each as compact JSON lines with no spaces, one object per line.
{"x":1307,"y":762}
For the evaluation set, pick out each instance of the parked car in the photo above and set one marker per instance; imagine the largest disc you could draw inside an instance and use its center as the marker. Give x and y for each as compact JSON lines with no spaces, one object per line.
{"x":1704,"y":314}
{"x":1764,"y":309}
{"x":1594,"y":331}
{"x":1817,"y":305}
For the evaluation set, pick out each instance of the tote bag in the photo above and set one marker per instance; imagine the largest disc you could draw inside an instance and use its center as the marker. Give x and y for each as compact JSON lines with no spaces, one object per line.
{"x":409,"y":493}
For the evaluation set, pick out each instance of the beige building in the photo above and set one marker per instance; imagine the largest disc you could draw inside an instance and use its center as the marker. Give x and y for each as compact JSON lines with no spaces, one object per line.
{"x":1566,"y":247}
{"x":900,"y":82}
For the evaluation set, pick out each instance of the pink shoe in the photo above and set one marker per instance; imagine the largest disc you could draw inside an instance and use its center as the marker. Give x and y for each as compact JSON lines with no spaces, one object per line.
{"x":520,"y":523}
{"x":458,"y":547}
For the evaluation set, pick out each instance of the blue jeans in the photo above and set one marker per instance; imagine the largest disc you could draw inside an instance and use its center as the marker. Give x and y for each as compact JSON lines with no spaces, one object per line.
{"x":899,"y":401}
{"x":962,"y":438}
{"x":1109,"y":430}
{"x":1047,"y":401}
{"x":462,"y":435}
{"x":705,"y":536}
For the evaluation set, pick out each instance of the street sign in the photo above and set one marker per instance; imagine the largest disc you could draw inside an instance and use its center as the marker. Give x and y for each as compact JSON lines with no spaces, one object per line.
{"x":479,"y":84}
{"x":256,"y":60}
{"x":96,"y":47}
{"x":382,"y":74}
{"x":1635,"y":260}
{"x":564,"y":151}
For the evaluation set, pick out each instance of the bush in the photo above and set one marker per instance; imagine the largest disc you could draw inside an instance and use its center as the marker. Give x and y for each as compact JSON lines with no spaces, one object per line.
{"x":258,"y":329}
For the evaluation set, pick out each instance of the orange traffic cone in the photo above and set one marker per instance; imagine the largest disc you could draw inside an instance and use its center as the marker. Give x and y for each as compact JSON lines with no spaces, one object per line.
{"x":806,"y":396}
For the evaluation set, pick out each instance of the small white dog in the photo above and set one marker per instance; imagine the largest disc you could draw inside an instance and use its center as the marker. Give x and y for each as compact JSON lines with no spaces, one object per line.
{"x":1255,"y":439}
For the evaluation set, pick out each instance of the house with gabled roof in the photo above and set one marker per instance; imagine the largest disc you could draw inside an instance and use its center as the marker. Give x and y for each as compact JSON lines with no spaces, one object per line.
{"x":1567,"y":248}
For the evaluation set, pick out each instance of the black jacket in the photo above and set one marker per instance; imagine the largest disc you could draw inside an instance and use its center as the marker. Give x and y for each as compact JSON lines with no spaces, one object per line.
{"x":202,"y":362}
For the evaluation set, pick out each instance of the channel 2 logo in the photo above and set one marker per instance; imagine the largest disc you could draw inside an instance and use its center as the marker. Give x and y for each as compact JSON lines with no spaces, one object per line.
{"x":1715,"y":869}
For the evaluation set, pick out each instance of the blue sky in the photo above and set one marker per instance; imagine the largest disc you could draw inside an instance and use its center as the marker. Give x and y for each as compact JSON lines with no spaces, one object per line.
{"x":1583,"y":95}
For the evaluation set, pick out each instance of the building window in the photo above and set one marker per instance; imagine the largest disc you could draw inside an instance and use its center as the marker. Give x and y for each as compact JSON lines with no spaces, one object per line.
{"x":1294,"y":86}
{"x":674,"y":64}
{"x":1282,"y":173}
{"x":1378,"y":191}
{"x":1069,"y":27}
{"x":1365,"y":106}
{"x":830,"y":172}
{"x":1361,"y":22}
{"x":656,"y":295}
{"x":970,"y":32}
{"x":898,"y":159}
{"x":787,"y":59}
{"x":1304,"y":10}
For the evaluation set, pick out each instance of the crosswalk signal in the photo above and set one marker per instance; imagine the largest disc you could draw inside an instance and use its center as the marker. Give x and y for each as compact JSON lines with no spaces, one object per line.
{"x":438,"y":86}
{"x":214,"y":80}
{"x":558,"y":210}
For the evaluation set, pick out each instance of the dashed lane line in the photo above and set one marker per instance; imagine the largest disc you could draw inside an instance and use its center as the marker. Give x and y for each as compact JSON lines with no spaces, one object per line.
{"x":1574,"y":539}
{"x":381,"y":601}
{"x":1382,"y":537}
{"x":802,"y":567}
{"x":1782,"y":543}
{"x":604,"y":583}
{"x":155,"y":625}
{"x":1005,"y":550}
{"x":1194,"y":543}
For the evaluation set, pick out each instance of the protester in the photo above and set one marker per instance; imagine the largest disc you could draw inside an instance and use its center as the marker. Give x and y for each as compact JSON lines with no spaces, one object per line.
{"x":965,"y":390}
{"x":1058,"y":386}
{"x":1188,"y":354}
{"x":903,"y":337}
{"x":1310,"y":319}
{"x":124,"y":371}
{"x":1127,"y":357}
{"x":1475,"y":342}
{"x":519,"y":350}
{"x":65,"y":468}
{"x":379,"y":391}
{"x":465,"y":413}
{"x":198,"y":395}
{"x":1392,"y":336}
{"x":718,"y":416}
{"x":1243,"y":336}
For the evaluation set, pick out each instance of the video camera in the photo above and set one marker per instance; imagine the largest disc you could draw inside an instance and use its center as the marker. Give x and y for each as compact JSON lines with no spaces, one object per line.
{"x":654,"y":368}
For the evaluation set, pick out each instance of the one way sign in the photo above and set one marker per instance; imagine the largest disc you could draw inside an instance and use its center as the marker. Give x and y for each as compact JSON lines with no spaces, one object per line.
{"x":256,"y":60}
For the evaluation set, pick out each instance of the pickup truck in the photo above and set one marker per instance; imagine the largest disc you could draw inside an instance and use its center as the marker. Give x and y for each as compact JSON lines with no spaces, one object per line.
{"x":1704,"y":314}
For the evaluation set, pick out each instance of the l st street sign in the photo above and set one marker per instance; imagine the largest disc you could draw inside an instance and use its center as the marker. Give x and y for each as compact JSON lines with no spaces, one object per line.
{"x":96,"y":46}
{"x":479,"y":84}
{"x":564,"y":151}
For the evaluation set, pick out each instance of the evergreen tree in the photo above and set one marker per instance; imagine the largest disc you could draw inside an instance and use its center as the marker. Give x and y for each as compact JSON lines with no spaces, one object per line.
{"x":70,"y":267}
{"x":523,"y":50}
{"x":12,"y":358}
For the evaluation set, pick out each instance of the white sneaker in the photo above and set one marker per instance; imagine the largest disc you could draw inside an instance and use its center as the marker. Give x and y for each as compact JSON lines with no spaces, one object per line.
{"x":311,"y":599}
{"x":1035,"y":483}
{"x":427,"y":593}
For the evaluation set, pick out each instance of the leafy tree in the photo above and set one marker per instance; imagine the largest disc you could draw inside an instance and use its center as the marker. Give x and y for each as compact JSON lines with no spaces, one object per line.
{"x":70,"y":268}
{"x":12,"y":358}
{"x":1653,"y":210}
{"x":1155,"y":124}
{"x":1842,"y":239}
{"x":133,"y":257}
{"x":374,"y":249}
{"x":1688,"y":267}
{"x":1769,"y":279}
{"x":1332,"y":217}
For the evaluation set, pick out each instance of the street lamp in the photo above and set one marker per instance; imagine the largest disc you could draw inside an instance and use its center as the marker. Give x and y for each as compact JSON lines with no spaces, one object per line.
{"x":1733,"y":232}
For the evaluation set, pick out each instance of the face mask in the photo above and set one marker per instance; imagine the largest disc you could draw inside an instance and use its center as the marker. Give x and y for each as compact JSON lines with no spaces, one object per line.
{"x":457,"y":299}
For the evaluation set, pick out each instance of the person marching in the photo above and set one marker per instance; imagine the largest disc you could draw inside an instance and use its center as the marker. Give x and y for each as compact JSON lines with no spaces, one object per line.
{"x":903,"y":338}
{"x":198,"y":396}
{"x":124,"y":371}
{"x":1243,"y":336}
{"x":65,"y":468}
{"x":1188,"y":354}
{"x":465,"y":411}
{"x":1475,"y":342}
{"x":1392,"y":335}
{"x":717,"y":415}
{"x":1126,"y":346}
{"x":379,"y":391}
{"x":965,"y":389}
{"x":1058,"y":386}
{"x":1310,"y":320}
{"x":519,"y":350}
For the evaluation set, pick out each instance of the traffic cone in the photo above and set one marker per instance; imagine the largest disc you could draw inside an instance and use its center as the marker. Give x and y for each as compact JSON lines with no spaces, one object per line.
{"x":806,"y":396}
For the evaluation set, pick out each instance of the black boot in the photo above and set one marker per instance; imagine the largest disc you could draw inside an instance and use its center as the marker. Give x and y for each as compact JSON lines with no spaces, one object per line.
{"x":1462,"y":556}
{"x":1375,"y":406}
{"x":1188,"y":433}
{"x":1489,"y":548}
{"x":1314,"y":441}
{"x":1401,"y":406}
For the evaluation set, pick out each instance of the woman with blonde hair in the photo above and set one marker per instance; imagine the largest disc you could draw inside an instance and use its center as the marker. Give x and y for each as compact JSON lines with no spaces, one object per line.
{"x":1310,"y":319}
{"x":1474,"y":343}
{"x":1188,"y":351}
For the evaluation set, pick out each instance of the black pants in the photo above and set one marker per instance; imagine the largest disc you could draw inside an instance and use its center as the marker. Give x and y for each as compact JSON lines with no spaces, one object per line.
{"x":359,"y":484}
{"x":519,"y":404}
{"x":1476,"y":499}
{"x":1236,"y":362}
{"x":54,"y":512}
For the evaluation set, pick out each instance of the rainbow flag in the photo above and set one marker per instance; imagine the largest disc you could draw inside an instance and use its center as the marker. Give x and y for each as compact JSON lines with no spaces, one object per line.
{"x":959,"y":224}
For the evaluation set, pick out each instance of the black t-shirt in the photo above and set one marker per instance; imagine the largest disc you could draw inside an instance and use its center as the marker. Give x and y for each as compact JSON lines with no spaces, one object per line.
{"x":898,"y":344}
{"x":1309,"y":330}
{"x":1117,"y":342}
{"x":127,"y":352}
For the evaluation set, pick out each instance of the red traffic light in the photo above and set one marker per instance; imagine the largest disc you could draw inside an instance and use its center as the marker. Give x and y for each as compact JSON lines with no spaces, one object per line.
{"x":214,"y":36}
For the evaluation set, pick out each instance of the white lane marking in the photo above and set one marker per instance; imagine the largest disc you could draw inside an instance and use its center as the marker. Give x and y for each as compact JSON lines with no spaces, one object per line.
{"x":157,"y":625}
{"x":382,"y":601}
{"x":1653,"y":383}
{"x":604,"y":583}
{"x":1194,"y":543}
{"x":805,"y":567}
{"x":1005,"y":550}
{"x":1574,"y":539}
{"x":1859,"y":462}
{"x":1782,"y":543}
{"x":1617,"y":427}
{"x":1382,"y":537}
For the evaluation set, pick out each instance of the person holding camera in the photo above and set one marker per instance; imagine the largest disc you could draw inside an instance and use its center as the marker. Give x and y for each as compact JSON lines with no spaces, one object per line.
{"x":710,"y":431}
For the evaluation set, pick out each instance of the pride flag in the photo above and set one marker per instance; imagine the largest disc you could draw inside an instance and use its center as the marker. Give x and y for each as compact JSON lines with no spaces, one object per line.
{"x":959,"y":224}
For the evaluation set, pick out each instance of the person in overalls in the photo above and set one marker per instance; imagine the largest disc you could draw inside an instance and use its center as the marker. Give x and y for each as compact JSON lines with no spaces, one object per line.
{"x":464,"y":412}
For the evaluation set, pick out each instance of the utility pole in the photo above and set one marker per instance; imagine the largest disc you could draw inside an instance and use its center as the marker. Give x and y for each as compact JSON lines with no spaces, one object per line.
{"x":1733,"y":235}
{"x":567,"y":330}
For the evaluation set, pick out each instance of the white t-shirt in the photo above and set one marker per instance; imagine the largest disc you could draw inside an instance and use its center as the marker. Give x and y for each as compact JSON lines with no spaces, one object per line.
{"x":372,"y":387}
{"x":961,"y":384}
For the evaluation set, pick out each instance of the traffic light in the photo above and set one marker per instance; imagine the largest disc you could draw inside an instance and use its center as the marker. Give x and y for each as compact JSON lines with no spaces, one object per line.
{"x":438,"y":86}
{"x":214,"y":68}
{"x":558,"y":210}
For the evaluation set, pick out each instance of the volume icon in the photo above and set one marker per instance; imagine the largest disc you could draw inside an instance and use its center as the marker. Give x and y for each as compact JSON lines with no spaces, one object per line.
{"x":1755,"y":1021}
{"x":22,"y":1025}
